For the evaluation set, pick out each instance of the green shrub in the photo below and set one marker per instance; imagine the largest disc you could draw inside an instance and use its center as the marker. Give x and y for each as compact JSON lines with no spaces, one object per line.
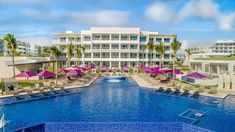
{"x":98,"y":70}
{"x":131,"y":70}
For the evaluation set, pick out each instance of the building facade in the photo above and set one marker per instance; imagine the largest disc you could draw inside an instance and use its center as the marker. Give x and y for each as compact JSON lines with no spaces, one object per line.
{"x":224,"y":47}
{"x":116,"y":47}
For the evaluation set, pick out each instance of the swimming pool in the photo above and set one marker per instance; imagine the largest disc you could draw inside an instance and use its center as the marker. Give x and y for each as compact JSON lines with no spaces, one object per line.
{"x":106,"y":101}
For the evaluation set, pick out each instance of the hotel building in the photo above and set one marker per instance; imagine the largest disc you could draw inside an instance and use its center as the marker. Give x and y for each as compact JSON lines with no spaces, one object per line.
{"x":116,"y":47}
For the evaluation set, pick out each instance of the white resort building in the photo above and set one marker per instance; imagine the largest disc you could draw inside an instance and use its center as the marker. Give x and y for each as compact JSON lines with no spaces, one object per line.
{"x":116,"y":47}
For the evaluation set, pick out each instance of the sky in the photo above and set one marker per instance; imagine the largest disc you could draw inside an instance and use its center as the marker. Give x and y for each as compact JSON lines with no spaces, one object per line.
{"x":195,"y":22}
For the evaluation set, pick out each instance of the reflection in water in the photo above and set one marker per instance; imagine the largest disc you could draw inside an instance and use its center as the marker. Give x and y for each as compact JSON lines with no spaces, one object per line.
{"x":114,"y":80}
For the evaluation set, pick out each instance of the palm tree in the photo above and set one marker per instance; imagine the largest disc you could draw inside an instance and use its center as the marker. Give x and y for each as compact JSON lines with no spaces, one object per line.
{"x":56,"y":53}
{"x":69,"y":52}
{"x":188,"y":52}
{"x":150,"y":47}
{"x":45,"y":52}
{"x":175,"y":46}
{"x":160,"y":49}
{"x":79,"y":50}
{"x":12,"y":45}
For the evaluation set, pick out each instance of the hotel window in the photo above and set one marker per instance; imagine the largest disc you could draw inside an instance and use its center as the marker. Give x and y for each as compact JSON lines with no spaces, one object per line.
{"x":95,"y":37}
{"x":158,"y":40}
{"x":87,"y":55}
{"x":95,"y":46}
{"x":151,"y":40}
{"x":166,"y":56}
{"x":87,"y":38}
{"x":114,"y":55}
{"x":133,"y":37}
{"x":78,"y":39}
{"x":115,"y":37}
{"x":142,"y":47}
{"x":157,"y":56}
{"x":133,"y":55}
{"x":124,"y":55}
{"x":133,"y":47}
{"x":105,"y":37}
{"x":105,"y":55}
{"x":96,"y":55}
{"x":167,"y":48}
{"x":87,"y":47}
{"x":124,"y":46}
{"x":124,"y":37}
{"x":142,"y":39}
{"x":70,"y":39}
{"x":142,"y":56}
{"x":105,"y":46}
{"x":115,"y":46}
{"x":62,"y":39}
{"x":167,"y":40}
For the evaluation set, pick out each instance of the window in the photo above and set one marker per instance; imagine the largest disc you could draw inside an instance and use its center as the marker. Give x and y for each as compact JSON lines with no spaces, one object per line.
{"x":167,"y":40}
{"x":115,"y":46}
{"x":133,"y":55}
{"x":105,"y":46}
{"x":114,"y":55}
{"x":124,"y":55}
{"x":78,"y":39}
{"x":142,"y":47}
{"x":105,"y":55}
{"x":70,"y":39}
{"x":87,"y":55}
{"x":105,"y":37}
{"x":115,"y":37}
{"x":87,"y":47}
{"x":87,"y":38}
{"x":124,"y":46}
{"x":95,"y":37}
{"x":62,"y":39}
{"x":142,"y":39}
{"x":158,"y":40}
{"x":96,"y":55}
{"x":133,"y":47}
{"x":124,"y":37}
{"x":166,"y":56}
{"x":96,"y":46}
{"x":133,"y":37}
{"x":151,"y":40}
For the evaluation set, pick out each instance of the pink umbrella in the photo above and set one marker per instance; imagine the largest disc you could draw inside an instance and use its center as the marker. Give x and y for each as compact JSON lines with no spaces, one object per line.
{"x":175,"y":72}
{"x":26,"y":74}
{"x":45,"y":74}
{"x":156,"y":72}
{"x":75,"y":71}
{"x":63,"y":71}
{"x":196,"y":75}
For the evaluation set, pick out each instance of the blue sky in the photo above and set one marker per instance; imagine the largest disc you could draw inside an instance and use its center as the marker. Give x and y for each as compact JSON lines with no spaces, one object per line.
{"x":194,"y":21}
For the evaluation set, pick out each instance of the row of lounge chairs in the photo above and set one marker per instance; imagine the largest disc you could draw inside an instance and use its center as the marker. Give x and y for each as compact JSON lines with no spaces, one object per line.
{"x":47,"y":86}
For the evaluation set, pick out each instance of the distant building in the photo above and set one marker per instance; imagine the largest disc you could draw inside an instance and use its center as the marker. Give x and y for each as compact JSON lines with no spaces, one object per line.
{"x":224,"y":47}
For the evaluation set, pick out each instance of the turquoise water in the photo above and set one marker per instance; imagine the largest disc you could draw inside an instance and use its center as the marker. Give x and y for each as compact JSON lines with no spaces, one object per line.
{"x":120,"y":101}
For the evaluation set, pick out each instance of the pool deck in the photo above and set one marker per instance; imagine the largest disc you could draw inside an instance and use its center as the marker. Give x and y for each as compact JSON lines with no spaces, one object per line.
{"x":65,"y":87}
{"x":147,"y":82}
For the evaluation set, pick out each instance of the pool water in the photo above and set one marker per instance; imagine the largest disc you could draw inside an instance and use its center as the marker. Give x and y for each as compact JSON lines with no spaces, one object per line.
{"x":106,"y":101}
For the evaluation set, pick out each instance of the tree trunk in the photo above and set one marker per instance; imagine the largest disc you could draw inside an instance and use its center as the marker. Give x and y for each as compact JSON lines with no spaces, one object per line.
{"x":189,"y":62}
{"x":13,"y":64}
{"x":174,"y":70}
{"x":56,"y":72}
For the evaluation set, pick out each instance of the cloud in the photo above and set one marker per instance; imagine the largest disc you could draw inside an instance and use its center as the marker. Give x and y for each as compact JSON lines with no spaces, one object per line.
{"x":167,"y":12}
{"x":91,"y":18}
